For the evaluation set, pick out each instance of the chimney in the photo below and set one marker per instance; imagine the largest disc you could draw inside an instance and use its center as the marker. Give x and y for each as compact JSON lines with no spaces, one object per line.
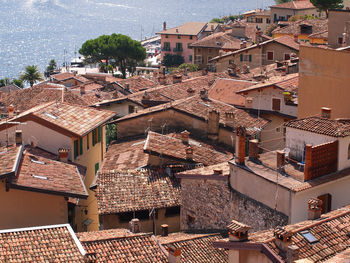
{"x":74,"y":73}
{"x":253,"y":150}
{"x":63,"y":155}
{"x":189,"y":153}
{"x":249,"y":102}
{"x":190,"y":91}
{"x":11,"y":110}
{"x":164,"y":25}
{"x":292,"y":254}
{"x":240,"y":145}
{"x":230,"y":118}
{"x":308,"y":160}
{"x":204,"y":94}
{"x":326,"y":112}
{"x":283,"y":238}
{"x":162,"y":79}
{"x":174,"y":254}
{"x":177,"y":78}
{"x":212,"y":27}
{"x":314,"y":208}
{"x":243,"y":44}
{"x":82,"y":90}
{"x":18,"y":137}
{"x":165,"y":230}
{"x":237,"y":231}
{"x":204,"y":72}
{"x":185,"y":136}
{"x":127,"y":86}
{"x":34,"y":142}
{"x":280,"y":161}
{"x":135,"y":226}
{"x":213,"y":124}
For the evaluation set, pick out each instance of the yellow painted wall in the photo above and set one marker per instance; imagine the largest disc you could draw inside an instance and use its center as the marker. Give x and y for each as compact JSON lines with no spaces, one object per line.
{"x":21,"y":208}
{"x":323,"y":82}
{"x":89,"y":158}
{"x":304,"y":38}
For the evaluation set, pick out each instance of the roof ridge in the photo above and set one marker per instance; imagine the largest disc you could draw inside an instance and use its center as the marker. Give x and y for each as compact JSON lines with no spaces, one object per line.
{"x":133,"y":235}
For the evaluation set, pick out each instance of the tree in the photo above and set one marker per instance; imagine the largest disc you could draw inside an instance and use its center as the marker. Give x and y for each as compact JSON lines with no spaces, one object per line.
{"x":325,"y":5}
{"x":4,"y":82}
{"x":18,"y":83}
{"x":51,"y":67}
{"x":31,"y":75}
{"x":118,"y":47}
{"x":170,"y":60}
{"x":282,"y":1}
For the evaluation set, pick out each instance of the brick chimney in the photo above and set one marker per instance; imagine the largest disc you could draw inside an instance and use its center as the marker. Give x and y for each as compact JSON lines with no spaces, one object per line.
{"x":326,"y":112}
{"x":165,"y":230}
{"x":283,"y":238}
{"x":314,"y":208}
{"x":308,"y":162}
{"x":177,"y":78}
{"x":164,"y":25}
{"x":162,"y":79}
{"x":18,"y":137}
{"x":189,"y":153}
{"x":213,"y":124}
{"x":240,"y":145}
{"x":230,"y":118}
{"x":280,"y":161}
{"x":254,"y":150}
{"x":185,"y":136}
{"x":174,"y":254}
{"x":63,"y":155}
{"x":135,"y":226}
{"x":238,"y":231}
{"x":82,"y":90}
{"x":11,"y":110}
{"x":243,"y":44}
{"x":204,"y":94}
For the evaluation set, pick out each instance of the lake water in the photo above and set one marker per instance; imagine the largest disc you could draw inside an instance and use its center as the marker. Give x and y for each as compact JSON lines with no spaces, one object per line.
{"x":35,"y":31}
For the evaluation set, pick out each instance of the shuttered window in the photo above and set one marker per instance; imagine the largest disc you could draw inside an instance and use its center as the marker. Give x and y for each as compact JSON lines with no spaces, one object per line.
{"x":76,"y":149}
{"x":81,"y":146}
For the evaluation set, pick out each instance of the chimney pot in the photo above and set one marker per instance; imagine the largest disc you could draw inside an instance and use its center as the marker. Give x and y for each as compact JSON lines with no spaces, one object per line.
{"x":280,"y":160}
{"x":292,"y":254}
{"x":185,"y":136}
{"x":63,"y":155}
{"x":177,"y":78}
{"x":165,"y":230}
{"x":135,"y":226}
{"x":253,"y":150}
{"x":240,"y":145}
{"x":213,"y":124}
{"x":314,"y":208}
{"x":164,"y":25}
{"x":204,"y":94}
{"x":11,"y":110}
{"x":189,"y":153}
{"x":326,"y":112}
{"x":82,"y":90}
{"x":18,"y":137}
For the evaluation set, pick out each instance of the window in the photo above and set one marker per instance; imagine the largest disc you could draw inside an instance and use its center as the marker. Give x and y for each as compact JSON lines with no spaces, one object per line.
{"x":198,"y":59}
{"x":94,"y":137}
{"x":166,"y":46}
{"x":258,"y":20}
{"x":269,"y":55}
{"x":246,"y":57}
{"x":278,"y":129}
{"x":172,"y":211}
{"x":87,"y":141}
{"x":340,"y":40}
{"x":190,"y":221}
{"x":191,"y":37}
{"x":309,"y":237}
{"x":78,"y":147}
{"x":97,"y":166}
{"x":286,"y":56}
{"x":178,"y":47}
{"x":190,"y":57}
{"x":99,"y":133}
{"x":166,"y":36}
{"x":276,"y":104}
{"x":268,"y":21}
{"x":326,"y":203}
{"x":131,"y":109}
{"x":81,"y":146}
{"x":179,"y":36}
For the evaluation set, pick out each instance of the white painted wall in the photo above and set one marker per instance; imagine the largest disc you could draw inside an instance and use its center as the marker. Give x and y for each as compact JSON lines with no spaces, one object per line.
{"x":263,"y":100}
{"x":339,"y":189}
{"x":343,"y":161}
{"x":46,"y":138}
{"x":121,"y":109}
{"x":296,"y":140}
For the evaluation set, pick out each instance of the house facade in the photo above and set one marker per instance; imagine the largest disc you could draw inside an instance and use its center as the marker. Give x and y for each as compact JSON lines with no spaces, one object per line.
{"x":339,"y":28}
{"x":260,"y":18}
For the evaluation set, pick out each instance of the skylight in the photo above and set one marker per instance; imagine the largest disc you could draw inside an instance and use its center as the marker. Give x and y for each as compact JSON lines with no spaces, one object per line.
{"x":36,"y":161}
{"x":40,"y":177}
{"x":50,"y":115}
{"x":309,"y":237}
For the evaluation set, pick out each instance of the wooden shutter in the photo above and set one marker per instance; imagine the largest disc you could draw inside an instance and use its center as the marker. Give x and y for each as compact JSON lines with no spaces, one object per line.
{"x":250,"y":58}
{"x":97,"y":166}
{"x":276,"y":104}
{"x":81,"y":146}
{"x":269,"y":55}
{"x":326,"y":203}
{"x":75,"y":149}
{"x":98,"y":134}
{"x":241,"y":56}
{"x":93,"y":137}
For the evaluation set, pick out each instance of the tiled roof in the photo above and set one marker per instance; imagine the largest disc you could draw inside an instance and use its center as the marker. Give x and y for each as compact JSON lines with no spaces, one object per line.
{"x":56,"y":243}
{"x":119,"y":192}
{"x":287,"y":41}
{"x":331,"y":233}
{"x":199,"y":108}
{"x":333,"y":128}
{"x":321,"y":34}
{"x":299,"y":4}
{"x":60,"y":77}
{"x":125,"y":155}
{"x":219,"y":40}
{"x":136,"y":83}
{"x":40,"y":171}
{"x":206,"y":171}
{"x":294,"y":28}
{"x":199,"y":249}
{"x":238,"y":226}
{"x":171,"y":147}
{"x":140,"y":248}
{"x":189,"y":28}
{"x":225,"y":90}
{"x":105,"y":234}
{"x":72,"y":119}
{"x":24,"y":99}
{"x":8,"y":158}
{"x":9,"y":88}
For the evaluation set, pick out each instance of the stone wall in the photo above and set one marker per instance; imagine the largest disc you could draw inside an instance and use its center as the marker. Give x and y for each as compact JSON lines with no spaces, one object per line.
{"x":211,"y":204}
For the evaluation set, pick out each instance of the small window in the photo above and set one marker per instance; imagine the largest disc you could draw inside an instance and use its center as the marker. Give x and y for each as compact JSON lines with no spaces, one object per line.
{"x":270,"y":55}
{"x":131,"y":109}
{"x":278,"y":129}
{"x":190,"y":58}
{"x":166,"y":36}
{"x":97,"y":166}
{"x":286,"y":56}
{"x":87,"y":141}
{"x":190,"y":221}
{"x":172,"y":211}
{"x":309,"y":237}
{"x":276,"y":104}
{"x":179,"y":36}
{"x":268,"y":21}
{"x":191,"y":37}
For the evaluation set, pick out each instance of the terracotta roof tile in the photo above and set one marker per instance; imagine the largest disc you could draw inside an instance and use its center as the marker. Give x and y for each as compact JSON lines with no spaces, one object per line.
{"x":9,"y":88}
{"x":333,"y":128}
{"x":199,"y":249}
{"x":60,"y":77}
{"x":299,"y":4}
{"x":105,"y":234}
{"x":40,"y":244}
{"x":8,"y":158}
{"x":294,"y":28}
{"x":219,"y":40}
{"x":207,"y":171}
{"x":189,"y":28}
{"x":119,"y":192}
{"x":125,"y":155}
{"x":136,"y":83}
{"x":141,"y":248}
{"x":171,"y":146}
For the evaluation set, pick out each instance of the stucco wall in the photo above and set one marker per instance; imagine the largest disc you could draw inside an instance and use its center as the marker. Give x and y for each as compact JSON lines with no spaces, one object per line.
{"x":205,"y":53}
{"x":173,"y":39}
{"x":246,"y":256}
{"x":122,"y":108}
{"x":324,"y":82}
{"x":336,"y":26}
{"x":284,"y":12}
{"x":26,"y":209}
{"x":272,"y":137}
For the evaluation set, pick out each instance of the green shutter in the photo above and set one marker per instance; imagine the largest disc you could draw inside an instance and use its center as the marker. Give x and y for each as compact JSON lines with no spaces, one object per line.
{"x":98,"y":134}
{"x":250,"y":58}
{"x":97,"y":166}
{"x":93,"y":138}
{"x":75,"y":148}
{"x":241,"y":56}
{"x":81,"y":146}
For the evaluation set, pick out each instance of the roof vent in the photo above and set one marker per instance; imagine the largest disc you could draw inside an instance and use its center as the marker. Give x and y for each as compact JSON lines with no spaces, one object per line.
{"x":326,"y":112}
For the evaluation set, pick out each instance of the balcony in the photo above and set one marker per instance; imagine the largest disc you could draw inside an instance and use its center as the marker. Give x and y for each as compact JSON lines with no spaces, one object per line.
{"x":166,"y":49}
{"x":178,"y":49}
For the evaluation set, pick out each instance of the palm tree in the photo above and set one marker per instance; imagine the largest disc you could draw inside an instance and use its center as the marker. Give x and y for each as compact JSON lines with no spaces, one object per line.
{"x":31,"y":75}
